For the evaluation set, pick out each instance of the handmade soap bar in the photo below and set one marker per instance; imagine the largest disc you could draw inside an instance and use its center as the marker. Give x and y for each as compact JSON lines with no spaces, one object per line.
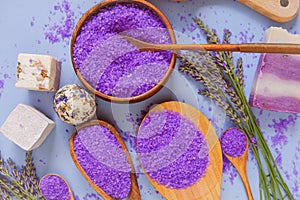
{"x":27,"y":127}
{"x":277,"y":80}
{"x":38,"y":72}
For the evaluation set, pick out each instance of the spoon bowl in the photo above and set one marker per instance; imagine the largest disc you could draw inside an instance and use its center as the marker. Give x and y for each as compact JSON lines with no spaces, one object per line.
{"x":240,"y":163}
{"x":134,"y":193}
{"x":208,"y":186}
{"x":44,"y":180}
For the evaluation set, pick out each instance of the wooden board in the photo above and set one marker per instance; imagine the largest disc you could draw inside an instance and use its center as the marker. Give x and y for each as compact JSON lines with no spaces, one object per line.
{"x":278,"y":10}
{"x":209,"y":186}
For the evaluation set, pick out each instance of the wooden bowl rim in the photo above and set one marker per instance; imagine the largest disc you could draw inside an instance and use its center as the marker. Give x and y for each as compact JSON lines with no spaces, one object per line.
{"x":94,"y":10}
{"x":62,"y":178}
{"x":134,"y":189}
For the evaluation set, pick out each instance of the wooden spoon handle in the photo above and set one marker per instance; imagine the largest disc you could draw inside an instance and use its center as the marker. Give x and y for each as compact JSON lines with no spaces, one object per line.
{"x":281,"y":11}
{"x":245,"y":180}
{"x":271,"y":48}
{"x":255,"y":48}
{"x":246,"y":47}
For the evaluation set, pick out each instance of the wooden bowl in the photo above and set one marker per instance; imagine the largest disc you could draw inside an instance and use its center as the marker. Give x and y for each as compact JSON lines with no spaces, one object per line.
{"x":134,"y":193}
{"x":93,"y":11}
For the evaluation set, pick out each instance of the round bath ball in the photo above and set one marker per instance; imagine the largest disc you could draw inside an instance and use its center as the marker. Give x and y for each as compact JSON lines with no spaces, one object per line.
{"x":74,"y":105}
{"x":233,"y":142}
{"x":54,"y":187}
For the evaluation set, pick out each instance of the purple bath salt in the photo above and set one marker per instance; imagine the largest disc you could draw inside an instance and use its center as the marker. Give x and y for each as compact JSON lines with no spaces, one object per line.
{"x":233,"y":142}
{"x":103,"y":160}
{"x":172,"y":149}
{"x":111,"y":64}
{"x":53,"y":187}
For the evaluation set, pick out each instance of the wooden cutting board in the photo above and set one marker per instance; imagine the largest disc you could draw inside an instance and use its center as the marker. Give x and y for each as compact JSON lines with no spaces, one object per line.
{"x":278,"y":10}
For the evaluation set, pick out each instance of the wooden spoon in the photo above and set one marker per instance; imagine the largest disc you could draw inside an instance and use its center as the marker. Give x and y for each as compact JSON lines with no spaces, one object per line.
{"x":246,"y":47}
{"x":134,"y":193}
{"x":240,"y":163}
{"x":60,"y":177}
{"x":209,"y":186}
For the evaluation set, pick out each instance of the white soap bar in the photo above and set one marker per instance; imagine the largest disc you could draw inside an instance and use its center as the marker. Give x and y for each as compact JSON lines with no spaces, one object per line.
{"x":38,"y":72}
{"x":27,"y":127}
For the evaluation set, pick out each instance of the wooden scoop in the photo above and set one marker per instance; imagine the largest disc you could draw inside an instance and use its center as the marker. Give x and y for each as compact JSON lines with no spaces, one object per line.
{"x":240,"y":163}
{"x":246,"y":47}
{"x":209,"y":186}
{"x":134,"y":191}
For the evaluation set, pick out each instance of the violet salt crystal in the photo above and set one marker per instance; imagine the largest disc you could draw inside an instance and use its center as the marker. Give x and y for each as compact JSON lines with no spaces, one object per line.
{"x":53,"y":187}
{"x":111,"y":64}
{"x":233,"y":142}
{"x":103,"y":160}
{"x":172,"y":149}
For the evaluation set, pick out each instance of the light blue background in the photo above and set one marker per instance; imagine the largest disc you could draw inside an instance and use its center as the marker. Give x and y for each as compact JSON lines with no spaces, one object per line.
{"x":22,"y":31}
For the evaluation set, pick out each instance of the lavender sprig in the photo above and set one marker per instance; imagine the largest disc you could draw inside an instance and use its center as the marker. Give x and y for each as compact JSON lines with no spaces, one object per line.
{"x":21,"y":183}
{"x":224,"y":84}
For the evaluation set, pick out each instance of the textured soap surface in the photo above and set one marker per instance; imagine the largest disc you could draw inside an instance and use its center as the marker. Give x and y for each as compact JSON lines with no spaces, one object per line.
{"x":37,"y":72}
{"x":27,"y":127}
{"x":172,"y":149}
{"x":277,"y":79}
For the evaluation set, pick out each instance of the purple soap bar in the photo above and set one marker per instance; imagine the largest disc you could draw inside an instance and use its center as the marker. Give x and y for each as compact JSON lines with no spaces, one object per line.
{"x":54,"y":187}
{"x":111,"y":64}
{"x":233,"y":142}
{"x":172,"y":149}
{"x":277,"y":79}
{"x":103,"y":160}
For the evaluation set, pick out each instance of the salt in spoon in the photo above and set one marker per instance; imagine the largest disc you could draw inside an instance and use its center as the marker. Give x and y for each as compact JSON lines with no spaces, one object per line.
{"x":54,"y":185}
{"x":134,"y":193}
{"x":234,"y":145}
{"x":246,"y":47}
{"x":208,"y":186}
